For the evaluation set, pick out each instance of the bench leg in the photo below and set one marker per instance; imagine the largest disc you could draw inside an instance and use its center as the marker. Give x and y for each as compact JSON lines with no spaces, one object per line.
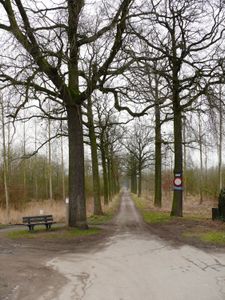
{"x":31,"y":227}
{"x":48,"y":226}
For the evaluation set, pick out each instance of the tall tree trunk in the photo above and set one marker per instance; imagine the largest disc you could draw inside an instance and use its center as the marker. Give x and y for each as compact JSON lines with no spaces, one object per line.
{"x":109,"y":177}
{"x":62,"y":170}
{"x":201,"y":160}
{"x":134,"y":183}
{"x":185,"y":160}
{"x":177,"y":206}
{"x":46,"y":170}
{"x":5,"y":166}
{"x":108,"y":163}
{"x":220,"y":140}
{"x":104,"y":171}
{"x":77,"y":203}
{"x":113,"y":173}
{"x":35,"y":171}
{"x":158,"y":141}
{"x":94,"y":161}
{"x":158,"y":158}
{"x":133,"y":176}
{"x":206,"y":170}
{"x":24,"y":163}
{"x":139,"y":180}
{"x":50,"y":161}
{"x":117,"y":178}
{"x":131,"y":184}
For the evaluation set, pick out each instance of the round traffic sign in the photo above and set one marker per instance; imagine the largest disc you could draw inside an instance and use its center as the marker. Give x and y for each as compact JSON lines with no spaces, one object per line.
{"x":177,"y":181}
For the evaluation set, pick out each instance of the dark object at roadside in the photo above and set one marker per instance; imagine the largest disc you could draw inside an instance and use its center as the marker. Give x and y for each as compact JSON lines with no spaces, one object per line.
{"x":219,"y":213}
{"x":32,"y":221}
{"x":221,"y":204}
{"x":215,"y":213}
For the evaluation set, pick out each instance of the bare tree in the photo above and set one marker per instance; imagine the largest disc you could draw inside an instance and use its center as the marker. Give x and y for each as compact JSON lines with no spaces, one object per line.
{"x":53,"y":38}
{"x":216,"y":119}
{"x":172,"y":29}
{"x":138,"y":145}
{"x":94,"y":159}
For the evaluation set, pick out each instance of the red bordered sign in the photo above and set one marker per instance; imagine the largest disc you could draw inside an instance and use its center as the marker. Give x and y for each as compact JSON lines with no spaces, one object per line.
{"x":178,"y":182}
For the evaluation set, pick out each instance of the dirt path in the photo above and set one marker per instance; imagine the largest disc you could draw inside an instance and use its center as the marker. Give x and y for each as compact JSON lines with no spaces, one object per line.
{"x":133,"y":265}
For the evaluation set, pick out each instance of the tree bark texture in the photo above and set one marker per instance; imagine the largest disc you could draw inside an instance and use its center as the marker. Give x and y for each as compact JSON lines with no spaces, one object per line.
{"x":158,"y":158}
{"x":220,"y":141}
{"x":77,"y":203}
{"x":133,"y":177}
{"x":109,"y":173}
{"x":201,"y":160}
{"x":5,"y":167}
{"x":105,"y":175}
{"x":177,"y":206}
{"x":185,"y":160}
{"x":94,"y":161}
{"x":139,"y":182}
{"x":50,"y":161}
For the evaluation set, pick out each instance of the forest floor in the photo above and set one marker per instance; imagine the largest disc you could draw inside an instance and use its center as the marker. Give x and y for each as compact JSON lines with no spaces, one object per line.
{"x":41,"y":266}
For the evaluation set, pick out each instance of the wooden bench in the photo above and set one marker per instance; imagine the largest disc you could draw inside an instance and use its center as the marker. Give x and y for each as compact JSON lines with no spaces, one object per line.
{"x":31,"y":221}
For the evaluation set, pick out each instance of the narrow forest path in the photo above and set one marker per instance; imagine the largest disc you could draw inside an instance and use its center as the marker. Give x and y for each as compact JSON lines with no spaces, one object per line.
{"x":135,"y":265}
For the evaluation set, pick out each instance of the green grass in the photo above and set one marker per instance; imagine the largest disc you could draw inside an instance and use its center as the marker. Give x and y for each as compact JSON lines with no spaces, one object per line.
{"x":150,"y":216}
{"x":216,"y":237}
{"x":107,"y":216}
{"x":55,"y":233}
{"x":212,"y":237}
{"x":156,"y":217}
{"x":98,"y":220}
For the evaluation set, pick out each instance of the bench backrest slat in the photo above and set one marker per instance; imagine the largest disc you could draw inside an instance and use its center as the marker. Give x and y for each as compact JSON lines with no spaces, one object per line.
{"x":33,"y":219}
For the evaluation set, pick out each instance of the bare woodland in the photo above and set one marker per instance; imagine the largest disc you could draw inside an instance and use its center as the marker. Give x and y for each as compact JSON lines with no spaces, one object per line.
{"x":124,"y":93}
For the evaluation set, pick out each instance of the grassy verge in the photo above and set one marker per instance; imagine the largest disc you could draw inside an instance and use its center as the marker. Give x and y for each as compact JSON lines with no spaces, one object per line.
{"x":192,"y":228}
{"x":108,"y":214}
{"x":98,"y":220}
{"x":155,"y":216}
{"x":54,"y":233}
{"x":58,"y":232}
{"x":3,"y":226}
{"x":150,"y":216}
{"x":209,"y":237}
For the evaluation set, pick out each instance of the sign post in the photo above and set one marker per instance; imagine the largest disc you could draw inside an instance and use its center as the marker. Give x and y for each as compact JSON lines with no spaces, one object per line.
{"x":67,"y":211}
{"x":178,"y":182}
